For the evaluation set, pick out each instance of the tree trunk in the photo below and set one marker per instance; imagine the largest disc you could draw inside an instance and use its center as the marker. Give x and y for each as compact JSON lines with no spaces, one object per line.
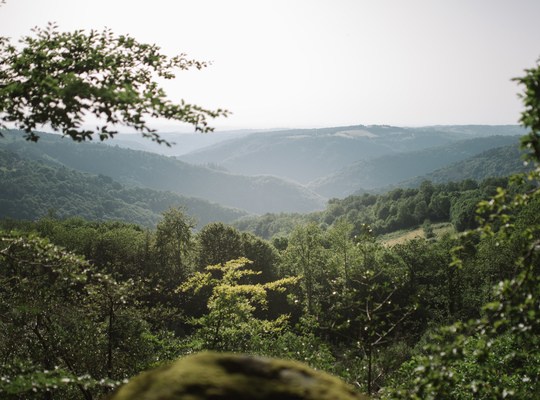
{"x":369,"y":373}
{"x":110,"y":341}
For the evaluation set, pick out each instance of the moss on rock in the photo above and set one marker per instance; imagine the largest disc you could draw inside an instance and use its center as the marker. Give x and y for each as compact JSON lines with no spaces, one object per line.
{"x":223,"y":376}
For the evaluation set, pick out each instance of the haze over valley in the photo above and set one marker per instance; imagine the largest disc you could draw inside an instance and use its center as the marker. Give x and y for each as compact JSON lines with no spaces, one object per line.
{"x":273,"y":171}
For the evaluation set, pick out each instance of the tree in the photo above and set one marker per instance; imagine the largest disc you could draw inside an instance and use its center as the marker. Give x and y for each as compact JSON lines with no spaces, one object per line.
{"x":66,"y":327}
{"x":263,"y":256}
{"x":305,"y":256}
{"x":60,"y":78}
{"x":463,"y":210}
{"x":370,"y":309}
{"x":218,"y":243}
{"x":427,"y":270}
{"x":342,"y":248}
{"x":230,"y":323}
{"x":44,"y":323}
{"x":439,"y":206}
{"x":174,"y":241}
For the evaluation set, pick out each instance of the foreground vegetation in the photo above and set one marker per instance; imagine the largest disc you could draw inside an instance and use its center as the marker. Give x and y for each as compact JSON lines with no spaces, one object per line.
{"x":86,"y":304}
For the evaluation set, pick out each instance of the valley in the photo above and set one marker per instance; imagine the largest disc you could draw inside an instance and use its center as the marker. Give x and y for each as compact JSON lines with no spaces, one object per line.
{"x":332,"y":162}
{"x":292,"y":249}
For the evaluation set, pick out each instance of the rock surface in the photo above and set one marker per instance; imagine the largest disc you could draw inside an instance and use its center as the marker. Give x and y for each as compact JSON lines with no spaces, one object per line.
{"x":222,"y":376}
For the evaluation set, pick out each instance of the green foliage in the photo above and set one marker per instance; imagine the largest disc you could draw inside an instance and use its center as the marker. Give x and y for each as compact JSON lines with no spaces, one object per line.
{"x":263,"y":255}
{"x":306,"y":257}
{"x":269,"y":226}
{"x":371,"y":306}
{"x":230,"y":323}
{"x":41,"y":284}
{"x":218,"y":244}
{"x":174,"y":241}
{"x":497,"y":355}
{"x":301,"y":343}
{"x":344,"y":254}
{"x":428,"y":229}
{"x":498,"y":162}
{"x":530,"y":117}
{"x":59,"y":78}
{"x":494,"y":355}
{"x":31,"y":189}
{"x":463,"y":210}
{"x":387,"y":212}
{"x":66,"y":327}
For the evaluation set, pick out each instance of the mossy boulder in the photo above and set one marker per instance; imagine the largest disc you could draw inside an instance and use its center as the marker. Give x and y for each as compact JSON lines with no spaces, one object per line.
{"x":223,"y":376}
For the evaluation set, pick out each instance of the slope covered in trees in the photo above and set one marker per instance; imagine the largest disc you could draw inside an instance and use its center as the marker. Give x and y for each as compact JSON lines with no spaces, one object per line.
{"x":392,"y":169}
{"x":497,"y":162}
{"x":400,"y":208}
{"x":137,"y":168}
{"x":342,"y":302}
{"x":33,"y":189}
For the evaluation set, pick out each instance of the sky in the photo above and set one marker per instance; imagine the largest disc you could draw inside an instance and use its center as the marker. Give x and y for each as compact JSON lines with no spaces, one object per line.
{"x":321,"y":63}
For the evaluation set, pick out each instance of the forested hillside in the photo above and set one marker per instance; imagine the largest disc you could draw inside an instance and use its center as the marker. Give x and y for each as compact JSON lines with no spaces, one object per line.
{"x":115,"y":298}
{"x":497,"y":162}
{"x":392,"y":169}
{"x":148,"y":296}
{"x":400,"y":208}
{"x":34,"y":189}
{"x":142,"y":169}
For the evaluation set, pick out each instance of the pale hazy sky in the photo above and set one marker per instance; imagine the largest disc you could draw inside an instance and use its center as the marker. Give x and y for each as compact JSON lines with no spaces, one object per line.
{"x":315,"y":63}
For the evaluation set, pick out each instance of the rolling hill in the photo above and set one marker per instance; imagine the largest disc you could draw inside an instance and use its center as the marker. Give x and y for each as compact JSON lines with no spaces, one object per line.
{"x":32,"y":189}
{"x":304,"y":155}
{"x":142,"y":169}
{"x":394,"y":168}
{"x":497,"y":162}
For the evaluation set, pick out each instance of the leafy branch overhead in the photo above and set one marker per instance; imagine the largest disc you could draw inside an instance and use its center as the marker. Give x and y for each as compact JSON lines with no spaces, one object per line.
{"x":60,"y":78}
{"x":530,"y":117}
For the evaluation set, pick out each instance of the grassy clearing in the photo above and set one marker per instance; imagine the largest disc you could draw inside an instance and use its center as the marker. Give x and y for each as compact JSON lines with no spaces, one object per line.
{"x":398,"y":237}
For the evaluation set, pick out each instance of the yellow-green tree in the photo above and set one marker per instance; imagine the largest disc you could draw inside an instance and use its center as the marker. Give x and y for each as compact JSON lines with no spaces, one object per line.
{"x":231,"y":322}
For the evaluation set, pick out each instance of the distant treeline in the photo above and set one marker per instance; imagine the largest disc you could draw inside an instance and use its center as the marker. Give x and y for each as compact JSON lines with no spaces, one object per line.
{"x":397,"y":209}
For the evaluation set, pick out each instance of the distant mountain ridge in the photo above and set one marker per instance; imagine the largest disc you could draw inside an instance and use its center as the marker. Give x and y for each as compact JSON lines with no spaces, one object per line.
{"x":181,"y":143}
{"x":384,"y":156}
{"x":305,"y":155}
